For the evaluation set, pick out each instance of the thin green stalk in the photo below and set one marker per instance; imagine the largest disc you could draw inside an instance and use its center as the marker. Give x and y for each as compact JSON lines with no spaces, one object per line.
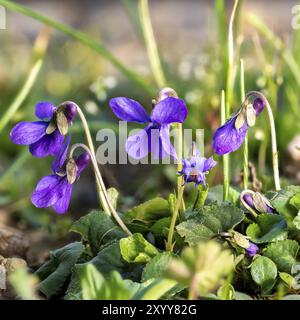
{"x":38,"y":54}
{"x":180,"y":181}
{"x":99,"y":178}
{"x":21,"y":96}
{"x":229,"y":89}
{"x":99,"y":182}
{"x":170,"y":243}
{"x":230,"y":60}
{"x":277,"y":43}
{"x":226,"y":174}
{"x":273,"y":137}
{"x":245,"y":146}
{"x":151,"y":44}
{"x":84,"y":39}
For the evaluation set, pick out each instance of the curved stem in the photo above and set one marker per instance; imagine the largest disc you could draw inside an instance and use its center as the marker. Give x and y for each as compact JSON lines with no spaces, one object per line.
{"x":99,"y":182}
{"x":98,"y":175}
{"x":170,"y":244}
{"x":273,"y":137}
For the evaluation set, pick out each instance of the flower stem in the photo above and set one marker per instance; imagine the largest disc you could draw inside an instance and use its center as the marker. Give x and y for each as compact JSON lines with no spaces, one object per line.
{"x":180,"y":181}
{"x":273,"y":137}
{"x":170,"y":244}
{"x":110,"y":207}
{"x":245,"y":146}
{"x":151,"y":44}
{"x":229,"y":89}
{"x":226,"y":169}
{"x":99,"y":182}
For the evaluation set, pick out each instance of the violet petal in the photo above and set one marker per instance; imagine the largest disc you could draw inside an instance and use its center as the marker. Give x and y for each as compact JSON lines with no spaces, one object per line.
{"x":48,"y":145}
{"x":26,"y":133}
{"x":169,"y":110}
{"x":128,"y":110}
{"x":227,"y":138}
{"x":44,"y":110}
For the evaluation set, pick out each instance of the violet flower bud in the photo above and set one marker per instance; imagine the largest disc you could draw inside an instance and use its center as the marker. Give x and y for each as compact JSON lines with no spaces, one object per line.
{"x":258,"y":202}
{"x":252,"y":250}
{"x":70,"y":111}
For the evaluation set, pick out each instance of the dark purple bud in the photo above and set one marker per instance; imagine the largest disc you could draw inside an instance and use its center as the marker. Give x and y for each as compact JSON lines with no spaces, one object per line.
{"x":258,"y":105}
{"x":70,"y":111}
{"x":82,"y":162}
{"x":249,"y":200}
{"x":252,"y":250}
{"x":258,"y":203}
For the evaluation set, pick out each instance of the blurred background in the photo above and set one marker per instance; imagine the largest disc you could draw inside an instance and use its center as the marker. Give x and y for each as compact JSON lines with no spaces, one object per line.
{"x":191,"y":37}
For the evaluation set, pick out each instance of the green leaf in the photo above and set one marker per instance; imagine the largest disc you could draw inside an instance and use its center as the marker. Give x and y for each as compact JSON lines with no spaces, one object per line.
{"x":55,"y":272}
{"x":241,"y":296}
{"x":107,"y":260}
{"x":202,"y":267}
{"x":161,"y":227}
{"x":157,"y":266}
{"x":113,"y":196}
{"x":282,"y":204}
{"x":149,"y":211}
{"x":136,"y":249}
{"x":98,"y":229}
{"x":155,"y":290}
{"x":96,"y":287}
{"x":283,"y":253}
{"x":269,"y":228}
{"x":296,"y":221}
{"x":287,"y":279}
{"x":226,"y":292}
{"x":295,"y":201}
{"x":210,"y":221}
{"x":264,"y":273}
{"x":215,"y":194}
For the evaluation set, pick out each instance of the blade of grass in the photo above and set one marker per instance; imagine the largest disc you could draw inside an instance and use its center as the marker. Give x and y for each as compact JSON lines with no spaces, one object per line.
{"x":38,"y":54}
{"x":132,"y":11}
{"x":245,"y":146}
{"x":151,"y":44}
{"x":225,"y":157}
{"x":278,"y":44}
{"x":82,"y":38}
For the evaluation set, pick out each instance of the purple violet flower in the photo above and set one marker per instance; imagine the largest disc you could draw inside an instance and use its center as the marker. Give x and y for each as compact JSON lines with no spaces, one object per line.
{"x":196,"y":167}
{"x":55,"y":190}
{"x":169,"y":109}
{"x":258,"y":202}
{"x":45,"y":137}
{"x":230,"y":136}
{"x":252,"y":250}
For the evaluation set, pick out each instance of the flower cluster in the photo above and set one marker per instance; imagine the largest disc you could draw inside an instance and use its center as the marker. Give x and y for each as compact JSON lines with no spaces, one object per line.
{"x":46,"y":138}
{"x":168,"y":109}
